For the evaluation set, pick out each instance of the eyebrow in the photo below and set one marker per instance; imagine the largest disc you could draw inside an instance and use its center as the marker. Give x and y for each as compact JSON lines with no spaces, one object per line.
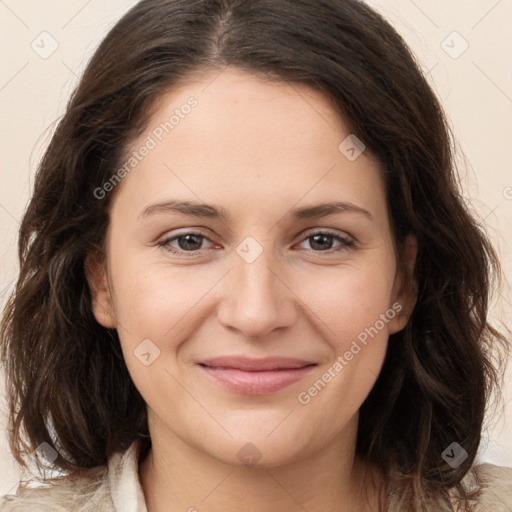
{"x":203,"y":210}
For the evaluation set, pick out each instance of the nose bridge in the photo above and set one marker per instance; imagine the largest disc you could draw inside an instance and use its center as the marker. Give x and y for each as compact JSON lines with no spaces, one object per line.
{"x":255,"y":299}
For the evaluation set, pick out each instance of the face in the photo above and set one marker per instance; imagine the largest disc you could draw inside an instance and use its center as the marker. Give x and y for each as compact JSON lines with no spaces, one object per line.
{"x":252,"y":269}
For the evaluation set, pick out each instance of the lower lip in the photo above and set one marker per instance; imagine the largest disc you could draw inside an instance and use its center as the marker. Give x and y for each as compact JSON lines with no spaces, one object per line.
{"x":256,"y":383}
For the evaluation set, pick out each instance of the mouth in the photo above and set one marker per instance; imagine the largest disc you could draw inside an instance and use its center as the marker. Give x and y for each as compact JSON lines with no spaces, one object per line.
{"x":255,"y":376}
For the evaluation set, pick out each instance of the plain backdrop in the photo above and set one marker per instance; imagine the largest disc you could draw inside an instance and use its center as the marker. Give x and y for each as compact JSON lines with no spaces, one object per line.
{"x":464,"y":47}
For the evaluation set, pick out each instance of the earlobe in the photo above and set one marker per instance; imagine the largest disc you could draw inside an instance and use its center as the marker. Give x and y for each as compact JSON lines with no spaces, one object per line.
{"x":405,"y":292}
{"x":96,"y":275}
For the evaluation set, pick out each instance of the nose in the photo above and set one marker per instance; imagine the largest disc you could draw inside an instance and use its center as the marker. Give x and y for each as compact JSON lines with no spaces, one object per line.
{"x":256,"y":298}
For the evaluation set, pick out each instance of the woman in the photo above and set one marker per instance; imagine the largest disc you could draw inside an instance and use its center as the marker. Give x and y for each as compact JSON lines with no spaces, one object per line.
{"x":248,"y":279}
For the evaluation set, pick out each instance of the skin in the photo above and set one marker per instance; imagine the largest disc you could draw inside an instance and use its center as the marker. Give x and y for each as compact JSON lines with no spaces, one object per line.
{"x":258,"y":149}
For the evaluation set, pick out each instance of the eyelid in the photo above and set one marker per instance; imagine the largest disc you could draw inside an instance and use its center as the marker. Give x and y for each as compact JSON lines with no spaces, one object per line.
{"x":165,"y":242}
{"x":327,"y":231}
{"x":346,"y":240}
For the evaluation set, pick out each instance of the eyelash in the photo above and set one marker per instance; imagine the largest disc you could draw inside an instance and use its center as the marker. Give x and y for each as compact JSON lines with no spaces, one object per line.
{"x":345,"y":243}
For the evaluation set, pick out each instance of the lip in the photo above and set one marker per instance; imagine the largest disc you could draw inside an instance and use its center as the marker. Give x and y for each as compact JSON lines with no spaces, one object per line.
{"x":255,"y":376}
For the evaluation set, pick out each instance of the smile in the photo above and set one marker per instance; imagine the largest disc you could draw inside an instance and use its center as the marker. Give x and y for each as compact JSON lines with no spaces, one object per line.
{"x":256,"y":377}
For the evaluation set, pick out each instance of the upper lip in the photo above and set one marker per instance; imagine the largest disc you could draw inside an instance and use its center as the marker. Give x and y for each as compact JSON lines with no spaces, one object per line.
{"x":248,"y":364}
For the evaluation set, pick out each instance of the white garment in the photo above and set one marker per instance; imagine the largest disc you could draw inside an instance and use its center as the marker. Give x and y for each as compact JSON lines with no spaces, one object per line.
{"x":117,"y":488}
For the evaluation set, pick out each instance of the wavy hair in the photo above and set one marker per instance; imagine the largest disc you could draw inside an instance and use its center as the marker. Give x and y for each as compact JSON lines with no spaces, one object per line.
{"x":67,"y":382}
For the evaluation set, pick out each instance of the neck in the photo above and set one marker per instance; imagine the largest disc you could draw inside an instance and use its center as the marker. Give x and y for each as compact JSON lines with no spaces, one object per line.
{"x":178,"y":477}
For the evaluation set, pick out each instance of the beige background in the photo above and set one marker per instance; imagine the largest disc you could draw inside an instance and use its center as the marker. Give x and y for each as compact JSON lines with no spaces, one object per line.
{"x":475,"y":87}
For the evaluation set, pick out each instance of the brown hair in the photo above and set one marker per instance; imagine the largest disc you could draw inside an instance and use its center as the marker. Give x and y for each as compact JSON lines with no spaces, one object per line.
{"x":68,"y":384}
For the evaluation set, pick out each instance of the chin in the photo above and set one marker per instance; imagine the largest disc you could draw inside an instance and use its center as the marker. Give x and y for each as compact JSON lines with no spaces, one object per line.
{"x":256,"y":453}
{"x":256,"y":448}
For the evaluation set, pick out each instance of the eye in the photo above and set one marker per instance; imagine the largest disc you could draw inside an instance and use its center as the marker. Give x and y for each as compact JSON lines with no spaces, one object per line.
{"x":189,"y":242}
{"x":322,"y":241}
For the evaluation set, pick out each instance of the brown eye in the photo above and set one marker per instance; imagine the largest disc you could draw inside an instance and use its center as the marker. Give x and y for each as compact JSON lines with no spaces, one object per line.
{"x":185,"y":243}
{"x":324,"y":241}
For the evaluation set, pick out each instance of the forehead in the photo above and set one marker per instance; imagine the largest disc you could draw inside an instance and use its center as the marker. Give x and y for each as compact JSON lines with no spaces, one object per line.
{"x":253,"y":111}
{"x":231,"y":134}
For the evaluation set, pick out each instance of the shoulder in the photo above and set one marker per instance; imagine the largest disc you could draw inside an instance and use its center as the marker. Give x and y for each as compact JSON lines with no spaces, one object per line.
{"x":492,"y":485}
{"x":110,"y":488}
{"x":86,"y":493}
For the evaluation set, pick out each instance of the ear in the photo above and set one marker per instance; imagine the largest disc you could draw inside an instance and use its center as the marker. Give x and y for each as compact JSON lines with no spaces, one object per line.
{"x":405,"y":288}
{"x":96,"y":275}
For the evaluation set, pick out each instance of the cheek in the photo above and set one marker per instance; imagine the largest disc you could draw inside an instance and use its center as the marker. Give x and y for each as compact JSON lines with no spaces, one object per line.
{"x":154,"y":306}
{"x":162,"y":304}
{"x":346,"y":300}
{"x":352,"y":312}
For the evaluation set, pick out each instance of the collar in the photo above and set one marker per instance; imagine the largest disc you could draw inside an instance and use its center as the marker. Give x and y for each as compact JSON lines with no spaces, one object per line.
{"x":123,"y":479}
